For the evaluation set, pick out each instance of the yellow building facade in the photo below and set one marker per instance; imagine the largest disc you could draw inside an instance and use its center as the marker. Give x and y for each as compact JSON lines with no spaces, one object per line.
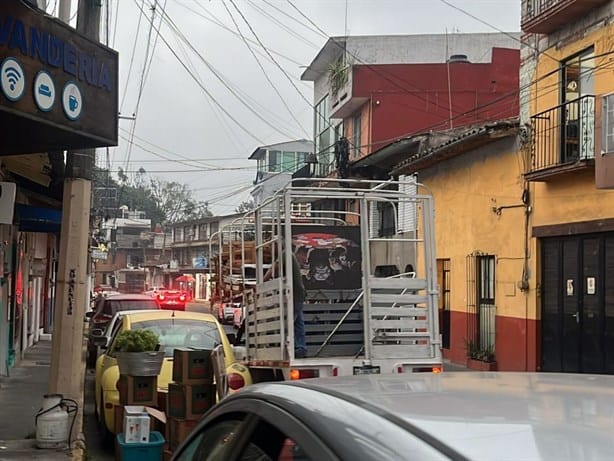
{"x":567,"y":78}
{"x":487,"y":311}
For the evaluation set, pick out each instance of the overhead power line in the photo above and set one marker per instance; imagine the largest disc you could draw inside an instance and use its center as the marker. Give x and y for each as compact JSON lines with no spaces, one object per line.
{"x":486,"y":23}
{"x":271,"y":56}
{"x":206,"y":91}
{"x":264,"y":72}
{"x":221,"y":79}
{"x":220,"y":24}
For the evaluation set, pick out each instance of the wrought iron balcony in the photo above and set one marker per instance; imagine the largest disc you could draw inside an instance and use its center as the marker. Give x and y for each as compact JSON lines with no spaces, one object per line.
{"x":546,"y":16}
{"x":563,"y":139}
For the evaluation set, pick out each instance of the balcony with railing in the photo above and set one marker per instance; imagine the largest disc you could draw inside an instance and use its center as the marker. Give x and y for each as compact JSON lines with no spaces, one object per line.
{"x":563,"y":139}
{"x":546,"y":16}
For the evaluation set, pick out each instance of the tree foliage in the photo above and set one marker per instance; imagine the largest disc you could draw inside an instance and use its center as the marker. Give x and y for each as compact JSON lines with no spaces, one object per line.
{"x":176,"y":201}
{"x":245,"y":206}
{"x":164,"y":202}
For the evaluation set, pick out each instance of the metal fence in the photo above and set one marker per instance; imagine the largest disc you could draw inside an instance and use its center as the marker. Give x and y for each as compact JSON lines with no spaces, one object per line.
{"x":533,"y":8}
{"x":564,"y":134}
{"x":481,"y":308}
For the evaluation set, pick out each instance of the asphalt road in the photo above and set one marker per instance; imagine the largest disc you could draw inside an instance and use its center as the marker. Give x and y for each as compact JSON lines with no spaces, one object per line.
{"x":96,"y":450}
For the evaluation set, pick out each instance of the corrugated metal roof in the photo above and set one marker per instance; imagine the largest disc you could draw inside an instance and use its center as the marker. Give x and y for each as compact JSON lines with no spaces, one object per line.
{"x":469,"y":134}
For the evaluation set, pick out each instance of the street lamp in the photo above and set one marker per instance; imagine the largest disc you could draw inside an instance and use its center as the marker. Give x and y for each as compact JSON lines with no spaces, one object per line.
{"x":311,"y":160}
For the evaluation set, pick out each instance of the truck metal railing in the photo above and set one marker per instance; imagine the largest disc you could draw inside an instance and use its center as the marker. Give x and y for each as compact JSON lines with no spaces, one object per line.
{"x":397,"y":312}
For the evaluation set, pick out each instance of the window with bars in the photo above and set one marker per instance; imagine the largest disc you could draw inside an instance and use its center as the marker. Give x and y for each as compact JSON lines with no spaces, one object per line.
{"x":444,"y":277}
{"x":481,"y":307}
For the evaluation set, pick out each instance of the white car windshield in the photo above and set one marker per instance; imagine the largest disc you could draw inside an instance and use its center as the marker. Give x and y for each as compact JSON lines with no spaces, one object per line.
{"x":182,"y":333}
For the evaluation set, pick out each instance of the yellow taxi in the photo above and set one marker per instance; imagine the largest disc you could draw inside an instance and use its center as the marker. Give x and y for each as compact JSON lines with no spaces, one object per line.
{"x":175,"y":329}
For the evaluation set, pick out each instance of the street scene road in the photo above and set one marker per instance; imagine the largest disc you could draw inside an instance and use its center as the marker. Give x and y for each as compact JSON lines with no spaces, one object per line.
{"x":381,"y":195}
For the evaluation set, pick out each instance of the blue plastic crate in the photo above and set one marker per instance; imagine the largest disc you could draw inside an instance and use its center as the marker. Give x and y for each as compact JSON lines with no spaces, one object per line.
{"x":150,"y":451}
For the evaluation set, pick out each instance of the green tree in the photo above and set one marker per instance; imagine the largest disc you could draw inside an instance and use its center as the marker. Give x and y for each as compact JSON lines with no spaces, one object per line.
{"x":245,"y":206}
{"x":162,"y":201}
{"x":176,"y":201}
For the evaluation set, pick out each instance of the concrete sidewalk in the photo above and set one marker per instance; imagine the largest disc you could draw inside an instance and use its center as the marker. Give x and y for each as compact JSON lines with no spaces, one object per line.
{"x":21,"y":396}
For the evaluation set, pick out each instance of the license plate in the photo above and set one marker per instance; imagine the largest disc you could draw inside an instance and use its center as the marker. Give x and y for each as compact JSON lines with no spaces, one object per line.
{"x":366,"y":370}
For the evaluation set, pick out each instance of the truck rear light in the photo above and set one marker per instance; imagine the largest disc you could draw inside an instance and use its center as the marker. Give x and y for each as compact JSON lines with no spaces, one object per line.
{"x":428,"y":370}
{"x":335,"y":371}
{"x":235,"y":381}
{"x":400,"y":369}
{"x":296,"y":373}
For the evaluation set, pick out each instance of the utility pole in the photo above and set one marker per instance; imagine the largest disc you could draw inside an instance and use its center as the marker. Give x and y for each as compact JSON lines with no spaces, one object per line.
{"x":67,"y":356}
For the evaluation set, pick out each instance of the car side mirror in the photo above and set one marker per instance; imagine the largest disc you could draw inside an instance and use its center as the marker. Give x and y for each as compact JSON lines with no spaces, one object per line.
{"x":231,"y":337}
{"x":89,"y":314}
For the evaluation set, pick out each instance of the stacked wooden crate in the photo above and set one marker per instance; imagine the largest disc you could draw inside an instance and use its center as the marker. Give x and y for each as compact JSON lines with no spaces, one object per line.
{"x":190,"y":395}
{"x":137,"y":430}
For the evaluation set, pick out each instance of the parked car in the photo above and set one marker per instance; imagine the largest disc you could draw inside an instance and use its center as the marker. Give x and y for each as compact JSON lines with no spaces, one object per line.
{"x":227,"y":312}
{"x":447,"y":416}
{"x":101,"y":338}
{"x":175,"y":329}
{"x":172,"y":299}
{"x":154,"y":291}
{"x":104,"y":310}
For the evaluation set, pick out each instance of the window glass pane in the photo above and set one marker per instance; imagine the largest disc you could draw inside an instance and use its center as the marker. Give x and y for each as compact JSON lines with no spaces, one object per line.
{"x":288,"y":162}
{"x":212,"y":444}
{"x":356,"y":135}
{"x":270,"y":443}
{"x":182,"y":333}
{"x":608,"y":124}
{"x":274,"y":160}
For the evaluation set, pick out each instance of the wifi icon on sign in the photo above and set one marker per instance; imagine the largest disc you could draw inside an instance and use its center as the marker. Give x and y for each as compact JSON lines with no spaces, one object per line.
{"x":13,"y":76}
{"x":12,"y":79}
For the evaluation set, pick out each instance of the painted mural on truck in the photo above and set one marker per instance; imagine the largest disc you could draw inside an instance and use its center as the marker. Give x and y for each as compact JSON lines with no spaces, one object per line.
{"x":329,"y":257}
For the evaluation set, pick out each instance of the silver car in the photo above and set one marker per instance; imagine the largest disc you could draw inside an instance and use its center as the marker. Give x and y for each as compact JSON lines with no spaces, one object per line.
{"x":417,"y":416}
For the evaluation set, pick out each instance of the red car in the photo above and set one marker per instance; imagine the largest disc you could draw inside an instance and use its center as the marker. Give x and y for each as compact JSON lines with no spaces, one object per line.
{"x":172,"y":299}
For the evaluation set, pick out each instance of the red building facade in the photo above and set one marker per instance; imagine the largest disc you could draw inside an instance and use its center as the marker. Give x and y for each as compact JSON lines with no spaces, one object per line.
{"x":383,"y":102}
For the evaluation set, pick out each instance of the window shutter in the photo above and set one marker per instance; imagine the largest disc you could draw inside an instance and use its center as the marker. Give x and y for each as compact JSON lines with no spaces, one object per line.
{"x":406,"y":219}
{"x":374,"y":220}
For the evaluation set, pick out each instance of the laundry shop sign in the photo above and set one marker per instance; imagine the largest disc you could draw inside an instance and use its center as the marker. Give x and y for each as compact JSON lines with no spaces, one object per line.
{"x":58,"y":89}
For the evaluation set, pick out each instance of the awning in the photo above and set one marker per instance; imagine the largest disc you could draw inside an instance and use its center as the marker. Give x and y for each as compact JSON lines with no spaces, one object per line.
{"x":37,"y":219}
{"x":184,"y":278}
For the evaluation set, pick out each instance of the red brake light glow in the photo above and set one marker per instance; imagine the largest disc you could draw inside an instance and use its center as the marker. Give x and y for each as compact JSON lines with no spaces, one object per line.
{"x":303,"y":374}
{"x":235,"y":381}
{"x":182,"y":298}
{"x":161,"y":297}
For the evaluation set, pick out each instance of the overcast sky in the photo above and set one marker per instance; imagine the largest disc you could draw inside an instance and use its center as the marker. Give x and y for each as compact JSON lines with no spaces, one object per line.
{"x":177,"y":118}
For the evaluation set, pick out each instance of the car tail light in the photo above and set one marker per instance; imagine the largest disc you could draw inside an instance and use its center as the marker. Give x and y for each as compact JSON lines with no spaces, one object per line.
{"x":182,"y":298}
{"x":400,"y":369}
{"x":428,"y":370}
{"x":296,"y":373}
{"x":161,"y":297}
{"x":235,"y":381}
{"x":335,"y":371}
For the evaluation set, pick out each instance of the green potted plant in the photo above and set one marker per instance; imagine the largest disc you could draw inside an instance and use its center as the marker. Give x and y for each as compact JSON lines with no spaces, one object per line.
{"x":138,"y":353}
{"x":479,"y":358}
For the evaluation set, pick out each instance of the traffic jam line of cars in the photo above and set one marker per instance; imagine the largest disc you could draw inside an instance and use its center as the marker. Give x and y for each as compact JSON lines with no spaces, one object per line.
{"x":409,"y":416}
